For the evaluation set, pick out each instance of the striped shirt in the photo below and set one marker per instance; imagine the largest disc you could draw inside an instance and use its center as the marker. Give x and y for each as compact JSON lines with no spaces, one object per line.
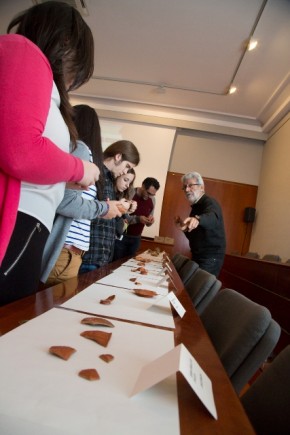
{"x":79,"y":231}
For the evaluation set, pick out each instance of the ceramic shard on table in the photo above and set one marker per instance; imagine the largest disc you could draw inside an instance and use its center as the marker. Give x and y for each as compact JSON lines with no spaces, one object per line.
{"x":45,"y":395}
{"x":126,"y":305}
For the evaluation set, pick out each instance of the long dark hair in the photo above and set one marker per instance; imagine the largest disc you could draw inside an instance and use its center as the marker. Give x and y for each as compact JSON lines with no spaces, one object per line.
{"x":66,"y":40}
{"x":89,"y":131}
{"x":126,"y":148}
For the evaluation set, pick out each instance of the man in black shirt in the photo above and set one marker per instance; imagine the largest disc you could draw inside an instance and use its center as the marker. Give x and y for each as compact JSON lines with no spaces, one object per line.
{"x":204,"y":227}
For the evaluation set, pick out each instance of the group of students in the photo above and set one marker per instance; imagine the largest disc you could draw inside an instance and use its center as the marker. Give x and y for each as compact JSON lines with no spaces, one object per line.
{"x":61,"y":196}
{"x":88,"y":219}
{"x":62,"y":199}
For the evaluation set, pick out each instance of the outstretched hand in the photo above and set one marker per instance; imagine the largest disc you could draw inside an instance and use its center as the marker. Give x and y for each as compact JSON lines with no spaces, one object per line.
{"x":182,"y":225}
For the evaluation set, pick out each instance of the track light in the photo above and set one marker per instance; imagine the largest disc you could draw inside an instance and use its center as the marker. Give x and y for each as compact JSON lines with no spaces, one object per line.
{"x":252,"y":44}
{"x":232,"y":89}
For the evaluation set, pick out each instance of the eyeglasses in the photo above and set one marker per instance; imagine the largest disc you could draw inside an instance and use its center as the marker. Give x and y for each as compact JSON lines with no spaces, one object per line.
{"x":189,"y":186}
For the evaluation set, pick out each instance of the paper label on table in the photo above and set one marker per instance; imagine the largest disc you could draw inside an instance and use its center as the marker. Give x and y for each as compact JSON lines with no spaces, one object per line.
{"x":168,"y":266}
{"x":179,"y":308}
{"x":178,"y":359}
{"x":161,"y":281}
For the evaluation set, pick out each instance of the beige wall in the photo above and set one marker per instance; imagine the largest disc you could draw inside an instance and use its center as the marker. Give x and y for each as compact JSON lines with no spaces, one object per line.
{"x":231,"y":158}
{"x":217,"y":156}
{"x":271,"y":230}
{"x":154,"y":144}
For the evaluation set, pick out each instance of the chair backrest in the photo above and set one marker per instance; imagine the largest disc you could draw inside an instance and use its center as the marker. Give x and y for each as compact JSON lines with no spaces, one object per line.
{"x":267,"y":401}
{"x":187,"y":271}
{"x":179,"y":260}
{"x":202,"y":287}
{"x":271,"y":257}
{"x":252,"y":254}
{"x":242,"y":332}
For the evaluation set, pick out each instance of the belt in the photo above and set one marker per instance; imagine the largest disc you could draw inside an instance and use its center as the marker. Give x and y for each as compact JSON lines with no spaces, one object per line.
{"x":74,"y":249}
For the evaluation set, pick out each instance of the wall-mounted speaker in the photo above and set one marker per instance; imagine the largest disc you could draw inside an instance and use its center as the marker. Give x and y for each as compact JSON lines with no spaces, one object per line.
{"x":249,"y":215}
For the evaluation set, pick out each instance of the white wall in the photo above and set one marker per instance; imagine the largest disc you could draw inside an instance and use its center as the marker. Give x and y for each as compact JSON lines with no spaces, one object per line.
{"x":154,"y":144}
{"x":271,"y":229}
{"x":222,"y":157}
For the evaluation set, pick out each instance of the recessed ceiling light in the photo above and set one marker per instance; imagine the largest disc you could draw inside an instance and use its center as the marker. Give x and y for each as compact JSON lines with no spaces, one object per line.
{"x":252,"y":44}
{"x":232,"y":89}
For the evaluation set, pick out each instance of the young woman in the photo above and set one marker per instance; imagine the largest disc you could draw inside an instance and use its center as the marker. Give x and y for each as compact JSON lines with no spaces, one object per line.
{"x":124,"y":185}
{"x":124,"y":189}
{"x":70,"y":235}
{"x":50,"y":54}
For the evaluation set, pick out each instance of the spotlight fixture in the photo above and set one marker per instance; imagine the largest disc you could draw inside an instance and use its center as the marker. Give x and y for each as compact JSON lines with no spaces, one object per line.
{"x":232,"y":89}
{"x":252,"y":44}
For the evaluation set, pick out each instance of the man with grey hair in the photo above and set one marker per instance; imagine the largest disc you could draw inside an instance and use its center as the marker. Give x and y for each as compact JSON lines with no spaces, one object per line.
{"x":204,"y":227}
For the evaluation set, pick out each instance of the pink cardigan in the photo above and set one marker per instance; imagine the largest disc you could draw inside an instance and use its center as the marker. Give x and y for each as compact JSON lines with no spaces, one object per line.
{"x":26,"y":84}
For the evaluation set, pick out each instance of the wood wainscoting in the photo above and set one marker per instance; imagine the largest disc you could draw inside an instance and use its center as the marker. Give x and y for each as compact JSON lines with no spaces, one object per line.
{"x":264,"y":282}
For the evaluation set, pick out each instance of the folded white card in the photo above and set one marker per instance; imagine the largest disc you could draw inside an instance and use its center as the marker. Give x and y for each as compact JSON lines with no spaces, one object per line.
{"x":178,"y":359}
{"x":179,"y":308}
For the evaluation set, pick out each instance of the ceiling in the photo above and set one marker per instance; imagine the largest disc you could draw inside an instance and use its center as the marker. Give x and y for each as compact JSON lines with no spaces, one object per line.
{"x":177,"y":59}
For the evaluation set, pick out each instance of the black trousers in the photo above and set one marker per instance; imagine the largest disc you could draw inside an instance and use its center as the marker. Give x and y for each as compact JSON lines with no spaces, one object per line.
{"x":21,"y":266}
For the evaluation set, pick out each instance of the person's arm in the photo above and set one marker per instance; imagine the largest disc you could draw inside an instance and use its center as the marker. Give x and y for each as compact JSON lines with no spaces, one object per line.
{"x":74,"y":206}
{"x":26,"y":83}
{"x":208,"y":218}
{"x":133,"y":219}
{"x":210,"y":215}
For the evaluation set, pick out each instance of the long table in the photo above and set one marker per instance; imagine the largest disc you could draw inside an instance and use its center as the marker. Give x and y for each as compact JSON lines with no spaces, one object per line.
{"x":193,"y":416}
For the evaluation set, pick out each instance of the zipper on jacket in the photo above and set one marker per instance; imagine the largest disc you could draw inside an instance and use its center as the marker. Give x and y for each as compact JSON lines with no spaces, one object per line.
{"x":38,"y":228}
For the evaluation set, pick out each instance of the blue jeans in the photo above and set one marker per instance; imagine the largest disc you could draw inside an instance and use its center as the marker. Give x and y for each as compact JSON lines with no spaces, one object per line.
{"x":87,"y":268}
{"x":128,"y":246}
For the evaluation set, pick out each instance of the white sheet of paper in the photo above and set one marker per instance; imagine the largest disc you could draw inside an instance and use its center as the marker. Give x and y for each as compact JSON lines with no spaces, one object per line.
{"x":176,"y":304}
{"x":44,"y":394}
{"x":168,"y":266}
{"x":151,"y":266}
{"x":126,"y":305}
{"x":178,"y":359}
{"x":123,"y":281}
{"x":152,"y":275}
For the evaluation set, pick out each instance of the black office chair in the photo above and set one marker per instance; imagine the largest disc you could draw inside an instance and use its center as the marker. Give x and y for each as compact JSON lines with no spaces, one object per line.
{"x":242,"y":332}
{"x":271,"y":257}
{"x":179,"y":260}
{"x":267,"y":401}
{"x":252,"y":255}
{"x":202,"y":287}
{"x":187,"y":271}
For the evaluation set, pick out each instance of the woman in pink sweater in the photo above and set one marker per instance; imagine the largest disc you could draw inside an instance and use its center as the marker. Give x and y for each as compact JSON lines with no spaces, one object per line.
{"x":50,"y":54}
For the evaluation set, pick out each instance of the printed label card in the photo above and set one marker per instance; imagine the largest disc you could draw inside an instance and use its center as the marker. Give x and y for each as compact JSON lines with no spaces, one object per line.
{"x":178,"y":359}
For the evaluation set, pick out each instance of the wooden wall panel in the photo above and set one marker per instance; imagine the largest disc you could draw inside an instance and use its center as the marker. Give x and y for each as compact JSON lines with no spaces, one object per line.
{"x":233,"y":198}
{"x":264,"y":282}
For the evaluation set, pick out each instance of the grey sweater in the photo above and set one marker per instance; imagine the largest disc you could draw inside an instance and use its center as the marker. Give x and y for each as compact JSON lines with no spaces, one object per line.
{"x":73,"y":206}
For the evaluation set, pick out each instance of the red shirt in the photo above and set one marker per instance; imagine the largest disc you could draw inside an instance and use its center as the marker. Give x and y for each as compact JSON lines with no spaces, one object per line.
{"x":144,"y":208}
